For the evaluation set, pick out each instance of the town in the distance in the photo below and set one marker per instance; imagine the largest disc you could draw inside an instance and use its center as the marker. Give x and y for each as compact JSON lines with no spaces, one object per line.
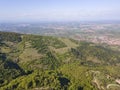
{"x":97,"y":32}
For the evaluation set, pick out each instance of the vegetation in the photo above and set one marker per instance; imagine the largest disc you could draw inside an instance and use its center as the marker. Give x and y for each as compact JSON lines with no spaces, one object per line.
{"x":96,"y":54}
{"x":8,"y":70}
{"x":13,"y":37}
{"x":29,"y":62}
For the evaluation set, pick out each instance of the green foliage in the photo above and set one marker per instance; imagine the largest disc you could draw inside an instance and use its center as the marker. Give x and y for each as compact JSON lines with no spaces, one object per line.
{"x":13,"y":37}
{"x":87,"y":51}
{"x":42,"y":42}
{"x":41,"y":80}
{"x":8,"y":70}
{"x":50,"y":60}
{"x":85,"y":67}
{"x":78,"y":76}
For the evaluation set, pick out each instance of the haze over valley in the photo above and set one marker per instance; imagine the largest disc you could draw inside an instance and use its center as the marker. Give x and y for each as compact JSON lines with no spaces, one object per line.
{"x":97,"y":32}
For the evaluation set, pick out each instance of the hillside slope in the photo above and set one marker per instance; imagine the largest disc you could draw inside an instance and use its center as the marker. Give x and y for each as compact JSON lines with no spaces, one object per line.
{"x":31,"y":62}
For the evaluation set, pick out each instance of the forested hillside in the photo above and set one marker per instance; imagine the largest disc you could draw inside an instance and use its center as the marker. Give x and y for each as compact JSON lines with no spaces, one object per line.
{"x":31,"y":62}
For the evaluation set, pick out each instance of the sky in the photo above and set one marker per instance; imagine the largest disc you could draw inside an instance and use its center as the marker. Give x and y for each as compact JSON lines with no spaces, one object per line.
{"x":59,"y":10}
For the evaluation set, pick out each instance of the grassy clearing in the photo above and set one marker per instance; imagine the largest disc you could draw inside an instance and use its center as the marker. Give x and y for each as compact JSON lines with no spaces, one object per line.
{"x":5,"y":49}
{"x":68,"y":42}
{"x":29,"y":54}
{"x":59,"y":51}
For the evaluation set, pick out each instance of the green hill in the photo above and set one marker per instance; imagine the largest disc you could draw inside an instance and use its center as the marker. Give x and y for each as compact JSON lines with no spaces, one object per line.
{"x":31,"y":62}
{"x":8,"y":70}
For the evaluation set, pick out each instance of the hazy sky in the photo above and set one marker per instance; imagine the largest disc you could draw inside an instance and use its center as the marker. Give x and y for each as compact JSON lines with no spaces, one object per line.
{"x":59,"y":10}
